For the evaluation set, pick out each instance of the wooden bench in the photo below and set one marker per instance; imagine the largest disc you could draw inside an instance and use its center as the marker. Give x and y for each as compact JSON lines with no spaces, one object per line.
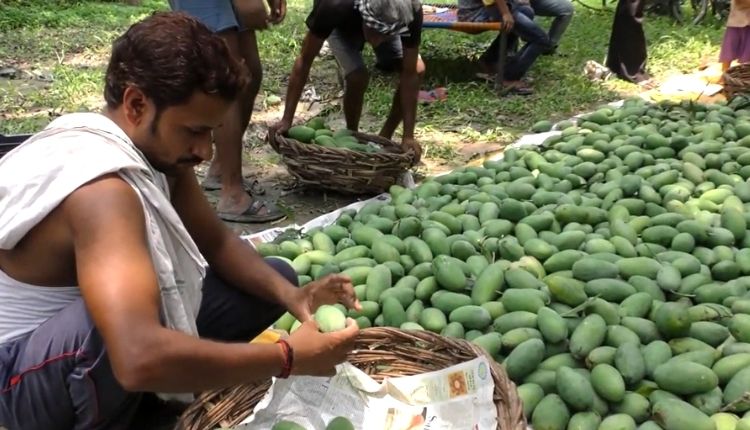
{"x":445,"y":17}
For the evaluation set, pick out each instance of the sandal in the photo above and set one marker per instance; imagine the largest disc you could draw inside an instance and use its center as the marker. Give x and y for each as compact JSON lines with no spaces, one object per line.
{"x":253,"y":187}
{"x":490,"y":78}
{"x":437,"y":94}
{"x":517,"y":90}
{"x":251,"y":214}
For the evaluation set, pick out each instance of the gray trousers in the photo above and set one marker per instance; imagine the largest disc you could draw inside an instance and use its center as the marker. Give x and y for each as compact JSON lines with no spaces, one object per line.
{"x":59,"y":377}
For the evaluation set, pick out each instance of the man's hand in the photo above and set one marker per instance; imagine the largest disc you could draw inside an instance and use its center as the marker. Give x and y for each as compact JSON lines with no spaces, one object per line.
{"x":332,"y":289}
{"x":507,"y":21}
{"x":412,"y":145}
{"x":252,"y":14}
{"x":282,"y":126}
{"x":317,"y":354}
{"x":278,"y":11}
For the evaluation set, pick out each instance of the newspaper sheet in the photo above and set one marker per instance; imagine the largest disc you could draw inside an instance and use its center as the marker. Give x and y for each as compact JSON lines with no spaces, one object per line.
{"x":458,"y":398}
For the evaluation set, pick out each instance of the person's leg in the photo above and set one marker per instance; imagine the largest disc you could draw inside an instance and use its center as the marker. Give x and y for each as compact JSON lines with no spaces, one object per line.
{"x":561,"y":10}
{"x":59,"y":377}
{"x":348,"y":53}
{"x":225,"y":171}
{"x":229,"y":314}
{"x":389,"y":55}
{"x":536,"y":40}
{"x":227,"y":162}
{"x":248,"y":44}
{"x":490,"y":55}
{"x":235,"y":203}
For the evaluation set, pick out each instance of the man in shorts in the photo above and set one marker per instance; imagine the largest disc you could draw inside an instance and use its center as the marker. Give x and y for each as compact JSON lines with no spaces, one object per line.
{"x":237,"y":28}
{"x":393,"y":28}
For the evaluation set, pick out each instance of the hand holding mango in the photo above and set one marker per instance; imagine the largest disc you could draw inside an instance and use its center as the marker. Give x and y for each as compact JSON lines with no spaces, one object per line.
{"x":316,"y":353}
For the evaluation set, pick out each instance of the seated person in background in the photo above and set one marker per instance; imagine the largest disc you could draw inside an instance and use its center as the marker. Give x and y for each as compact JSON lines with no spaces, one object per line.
{"x":117,"y":278}
{"x":393,"y":28}
{"x":518,"y":17}
{"x":562,"y":13}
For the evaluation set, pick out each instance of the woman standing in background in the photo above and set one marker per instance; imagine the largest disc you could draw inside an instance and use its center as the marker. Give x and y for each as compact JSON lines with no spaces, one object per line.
{"x":736,"y":44}
{"x":627,"y":45}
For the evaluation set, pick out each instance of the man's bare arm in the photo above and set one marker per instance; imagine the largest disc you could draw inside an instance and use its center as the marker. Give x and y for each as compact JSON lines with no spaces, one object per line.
{"x":236,"y":262}
{"x":409,"y":89}
{"x":119,"y":287}
{"x":311,"y":45}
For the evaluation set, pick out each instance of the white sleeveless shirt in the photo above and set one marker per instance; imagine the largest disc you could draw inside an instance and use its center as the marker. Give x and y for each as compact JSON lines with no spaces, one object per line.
{"x":72,"y":150}
{"x":26,"y":307}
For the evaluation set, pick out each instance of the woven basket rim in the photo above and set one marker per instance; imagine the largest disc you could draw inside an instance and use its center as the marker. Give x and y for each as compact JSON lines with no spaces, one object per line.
{"x":394,"y":151}
{"x":737,"y":80}
{"x":341,"y":169}
{"x":232,"y":405}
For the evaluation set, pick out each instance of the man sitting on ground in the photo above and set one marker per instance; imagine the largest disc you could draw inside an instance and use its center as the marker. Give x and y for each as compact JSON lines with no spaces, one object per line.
{"x":515,"y":15}
{"x":393,"y":28}
{"x":104,"y":290}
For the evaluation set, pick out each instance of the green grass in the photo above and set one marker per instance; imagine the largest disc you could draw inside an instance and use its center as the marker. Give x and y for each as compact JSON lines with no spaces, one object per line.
{"x":70,"y":41}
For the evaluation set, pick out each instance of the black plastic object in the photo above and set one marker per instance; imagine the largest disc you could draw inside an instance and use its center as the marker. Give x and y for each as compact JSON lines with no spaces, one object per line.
{"x":9,"y":142}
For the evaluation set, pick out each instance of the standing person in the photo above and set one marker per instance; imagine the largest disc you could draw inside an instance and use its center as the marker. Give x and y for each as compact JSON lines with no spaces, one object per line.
{"x":394,"y":29}
{"x":237,"y":28}
{"x":117,"y":279}
{"x":627,"y":44}
{"x":516,"y":16}
{"x":562,"y":13}
{"x":736,"y":44}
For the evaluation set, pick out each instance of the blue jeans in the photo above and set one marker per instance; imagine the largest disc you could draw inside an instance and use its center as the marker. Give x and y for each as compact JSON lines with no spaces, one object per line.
{"x":560,"y":10}
{"x":537,"y":41}
{"x":59,"y":377}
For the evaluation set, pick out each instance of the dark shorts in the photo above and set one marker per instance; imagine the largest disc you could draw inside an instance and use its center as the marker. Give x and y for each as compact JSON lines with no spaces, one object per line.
{"x":348,"y":52}
{"x":59,"y":376}
{"x":217,"y":15}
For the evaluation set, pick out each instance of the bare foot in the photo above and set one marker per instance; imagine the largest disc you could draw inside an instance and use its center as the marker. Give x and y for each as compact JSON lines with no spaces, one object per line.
{"x":214,"y":169}
{"x":211,"y":182}
{"x":238,"y":206}
{"x":233,"y":201}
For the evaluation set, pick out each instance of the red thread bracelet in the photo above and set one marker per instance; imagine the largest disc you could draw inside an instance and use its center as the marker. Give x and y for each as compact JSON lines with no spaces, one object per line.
{"x":288,"y":352}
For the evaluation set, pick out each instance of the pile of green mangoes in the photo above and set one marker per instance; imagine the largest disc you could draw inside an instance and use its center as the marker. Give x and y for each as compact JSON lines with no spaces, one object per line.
{"x":316,"y":132}
{"x":607,"y":270}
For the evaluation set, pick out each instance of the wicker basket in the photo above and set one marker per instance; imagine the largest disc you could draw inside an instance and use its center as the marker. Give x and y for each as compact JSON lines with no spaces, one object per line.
{"x":343,"y":170}
{"x":737,"y":80}
{"x":380,"y":352}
